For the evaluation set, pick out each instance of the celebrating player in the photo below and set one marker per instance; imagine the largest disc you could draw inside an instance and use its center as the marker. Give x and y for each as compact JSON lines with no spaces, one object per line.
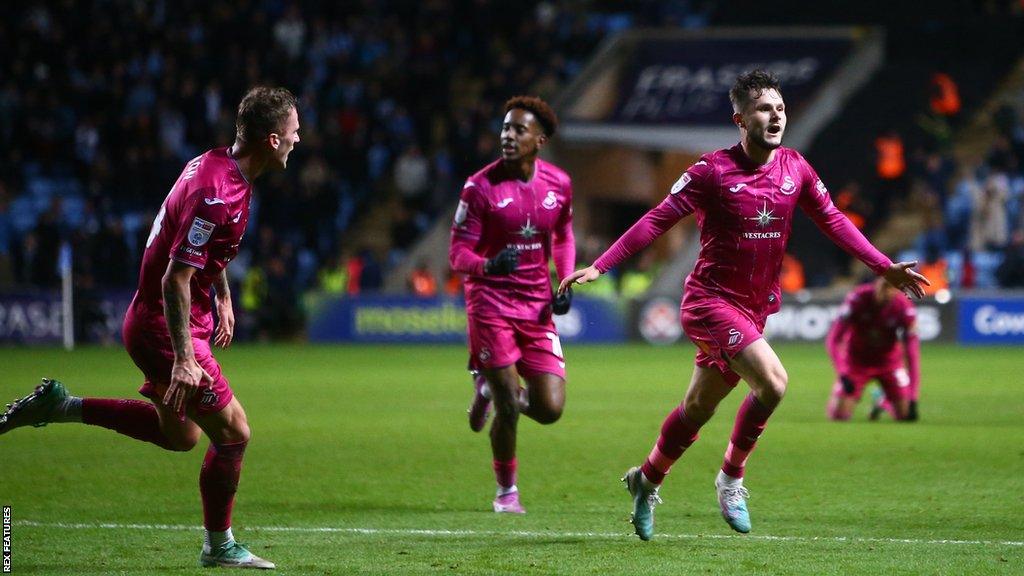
{"x":169,"y":323}
{"x":515,"y":215}
{"x":744,"y":198}
{"x":864,"y":345}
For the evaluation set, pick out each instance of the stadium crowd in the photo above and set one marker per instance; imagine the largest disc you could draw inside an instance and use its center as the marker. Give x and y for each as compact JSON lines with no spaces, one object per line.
{"x":102,"y":103}
{"x":973,"y":211}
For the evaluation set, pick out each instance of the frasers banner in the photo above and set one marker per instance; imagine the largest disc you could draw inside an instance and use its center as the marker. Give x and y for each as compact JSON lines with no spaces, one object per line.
{"x":686,"y":82}
{"x":37,"y":318}
{"x":31,"y":318}
{"x":992,"y":321}
{"x":384,"y":319}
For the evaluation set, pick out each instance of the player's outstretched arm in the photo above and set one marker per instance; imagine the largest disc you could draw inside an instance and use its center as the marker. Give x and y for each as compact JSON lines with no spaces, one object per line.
{"x":903,"y":276}
{"x":581,"y":276}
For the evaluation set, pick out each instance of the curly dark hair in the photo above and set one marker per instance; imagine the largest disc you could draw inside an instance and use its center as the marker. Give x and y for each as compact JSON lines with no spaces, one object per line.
{"x":756,"y":81}
{"x":263,"y":111}
{"x":540,"y":109}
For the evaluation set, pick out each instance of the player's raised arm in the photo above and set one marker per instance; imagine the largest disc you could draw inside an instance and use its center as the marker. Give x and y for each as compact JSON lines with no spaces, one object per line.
{"x":817,"y":204}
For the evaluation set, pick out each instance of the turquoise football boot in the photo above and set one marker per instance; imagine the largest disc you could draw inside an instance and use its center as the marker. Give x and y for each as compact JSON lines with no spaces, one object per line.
{"x":644,"y":501}
{"x":733,"y":502}
{"x":233,"y":555}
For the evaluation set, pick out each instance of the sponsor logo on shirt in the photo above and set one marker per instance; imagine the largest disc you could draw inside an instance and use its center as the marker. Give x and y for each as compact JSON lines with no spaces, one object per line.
{"x":460,"y":212}
{"x":522,"y":247}
{"x":200,"y":232}
{"x":738,"y":187}
{"x":681,"y":183}
{"x":788,"y":186}
{"x":820,"y":186}
{"x":213,"y":201}
{"x":528,"y":230}
{"x":551,"y":201}
{"x":504,"y":202}
{"x":762,"y":235}
{"x":764,"y":218}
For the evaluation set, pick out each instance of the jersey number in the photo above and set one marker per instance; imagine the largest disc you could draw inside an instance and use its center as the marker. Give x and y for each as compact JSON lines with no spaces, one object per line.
{"x":158,"y":222}
{"x":556,"y":344}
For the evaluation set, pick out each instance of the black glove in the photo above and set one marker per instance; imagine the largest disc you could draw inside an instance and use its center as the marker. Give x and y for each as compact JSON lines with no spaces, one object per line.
{"x":847,"y":383}
{"x":562,"y":302}
{"x":504,"y":263}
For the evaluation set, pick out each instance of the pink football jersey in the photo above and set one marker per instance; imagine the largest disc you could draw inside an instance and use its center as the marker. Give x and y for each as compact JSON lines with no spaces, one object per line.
{"x":497,"y":211}
{"x":745,"y":215}
{"x":201,"y":224}
{"x":874,"y":331}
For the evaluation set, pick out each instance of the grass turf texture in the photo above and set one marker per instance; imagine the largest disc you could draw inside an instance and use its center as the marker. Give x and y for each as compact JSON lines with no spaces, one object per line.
{"x":360,"y":437}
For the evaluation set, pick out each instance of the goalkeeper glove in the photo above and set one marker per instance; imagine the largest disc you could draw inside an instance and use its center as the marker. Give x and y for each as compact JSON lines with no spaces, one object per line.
{"x":504,"y":263}
{"x":561,"y":303}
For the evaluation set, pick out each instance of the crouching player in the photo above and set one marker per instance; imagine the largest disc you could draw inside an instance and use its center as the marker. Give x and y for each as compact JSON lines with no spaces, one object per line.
{"x":864,"y":344}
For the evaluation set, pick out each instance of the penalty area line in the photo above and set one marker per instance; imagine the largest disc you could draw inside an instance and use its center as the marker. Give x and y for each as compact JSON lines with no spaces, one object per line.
{"x":520,"y":533}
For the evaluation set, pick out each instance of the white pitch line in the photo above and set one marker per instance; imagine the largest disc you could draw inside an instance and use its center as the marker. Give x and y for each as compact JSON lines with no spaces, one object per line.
{"x":519,"y":533}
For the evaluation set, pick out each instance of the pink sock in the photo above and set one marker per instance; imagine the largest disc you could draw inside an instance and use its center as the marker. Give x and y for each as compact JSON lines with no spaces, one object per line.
{"x":678,"y":432}
{"x":133,"y":418}
{"x":750,"y":422}
{"x":218,"y":481}
{"x":505,"y":472}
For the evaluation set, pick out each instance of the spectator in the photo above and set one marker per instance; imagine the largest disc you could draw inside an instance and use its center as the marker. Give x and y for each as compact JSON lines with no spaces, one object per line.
{"x":891,"y":169}
{"x":412,"y":176}
{"x":968,"y":272}
{"x":988,"y":217}
{"x":1010,"y":273}
{"x":791,"y":278}
{"x":944,"y":96}
{"x":936,"y":270}
{"x":371,"y":277}
{"x":422,"y":282}
{"x":453,"y":284}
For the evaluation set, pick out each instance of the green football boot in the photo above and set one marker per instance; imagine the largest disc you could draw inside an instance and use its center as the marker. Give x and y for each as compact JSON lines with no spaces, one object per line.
{"x":36,"y":409}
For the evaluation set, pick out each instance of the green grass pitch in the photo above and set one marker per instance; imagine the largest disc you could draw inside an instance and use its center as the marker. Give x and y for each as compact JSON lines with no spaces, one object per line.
{"x":362,"y":463}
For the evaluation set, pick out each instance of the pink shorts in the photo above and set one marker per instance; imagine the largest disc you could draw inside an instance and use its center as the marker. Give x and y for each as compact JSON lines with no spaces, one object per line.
{"x":895,"y":383}
{"x":534,"y":348}
{"x":720,"y":332}
{"x":150,"y":349}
